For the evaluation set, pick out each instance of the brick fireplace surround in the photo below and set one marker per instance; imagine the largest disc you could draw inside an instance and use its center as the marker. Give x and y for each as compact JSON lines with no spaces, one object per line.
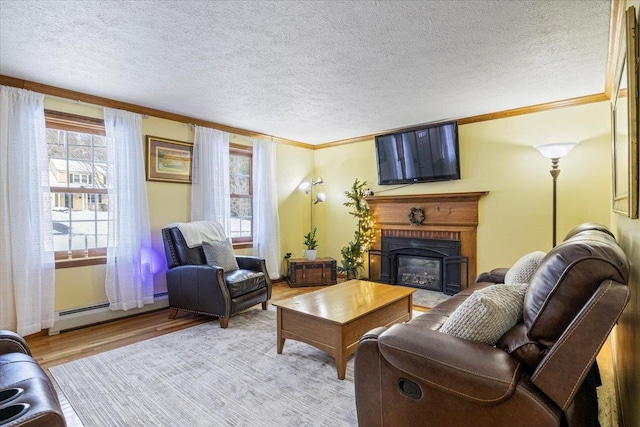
{"x":451,"y":216}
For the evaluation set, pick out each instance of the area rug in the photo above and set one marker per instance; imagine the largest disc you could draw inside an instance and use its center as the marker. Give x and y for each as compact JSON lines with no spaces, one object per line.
{"x":428,"y":299}
{"x":208,"y":376}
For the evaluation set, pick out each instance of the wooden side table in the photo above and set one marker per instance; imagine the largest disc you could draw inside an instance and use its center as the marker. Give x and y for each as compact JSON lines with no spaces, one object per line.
{"x":319,"y":272}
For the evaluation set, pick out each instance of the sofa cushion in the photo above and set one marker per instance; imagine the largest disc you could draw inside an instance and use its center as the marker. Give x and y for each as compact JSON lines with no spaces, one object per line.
{"x":241,"y":282}
{"x":435,"y":317}
{"x":487,"y":314}
{"x":523,"y":269}
{"x":220,"y":254}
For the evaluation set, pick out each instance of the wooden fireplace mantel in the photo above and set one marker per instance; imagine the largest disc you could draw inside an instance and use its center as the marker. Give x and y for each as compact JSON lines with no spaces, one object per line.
{"x":451,"y":216}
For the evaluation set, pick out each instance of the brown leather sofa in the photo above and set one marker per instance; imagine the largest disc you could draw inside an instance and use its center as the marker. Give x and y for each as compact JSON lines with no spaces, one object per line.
{"x":195,"y":286}
{"x":540,"y":373}
{"x":27,"y":396}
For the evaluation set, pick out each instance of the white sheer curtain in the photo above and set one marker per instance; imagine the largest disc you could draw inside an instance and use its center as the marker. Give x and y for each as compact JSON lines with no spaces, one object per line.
{"x":27,"y":264}
{"x":210,"y":197}
{"x":266,"y":231}
{"x":129,"y":280}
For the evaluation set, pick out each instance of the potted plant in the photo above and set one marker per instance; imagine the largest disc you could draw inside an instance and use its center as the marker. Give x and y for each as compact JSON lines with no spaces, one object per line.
{"x":311,"y":243}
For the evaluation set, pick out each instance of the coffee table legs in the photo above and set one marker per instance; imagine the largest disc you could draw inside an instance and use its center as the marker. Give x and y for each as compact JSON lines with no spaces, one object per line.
{"x":279,"y":337}
{"x":341,"y":364}
{"x":303,"y":330}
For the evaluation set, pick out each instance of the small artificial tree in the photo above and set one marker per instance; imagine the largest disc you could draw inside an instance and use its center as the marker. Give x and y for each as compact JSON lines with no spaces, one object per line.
{"x":353,"y":253}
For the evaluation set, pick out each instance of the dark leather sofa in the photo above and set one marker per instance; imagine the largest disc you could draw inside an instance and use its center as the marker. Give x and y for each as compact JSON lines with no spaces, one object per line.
{"x":27,"y":396}
{"x":540,"y":373}
{"x":195,"y":286}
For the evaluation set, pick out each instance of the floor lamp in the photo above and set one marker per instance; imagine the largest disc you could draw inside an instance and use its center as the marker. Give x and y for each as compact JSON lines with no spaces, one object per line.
{"x":307,"y":187}
{"x":555,"y":151}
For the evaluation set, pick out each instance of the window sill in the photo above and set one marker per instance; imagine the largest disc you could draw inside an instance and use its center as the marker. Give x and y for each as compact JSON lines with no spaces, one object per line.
{"x":242,"y":245}
{"x":97,"y":260}
{"x":80,"y":262}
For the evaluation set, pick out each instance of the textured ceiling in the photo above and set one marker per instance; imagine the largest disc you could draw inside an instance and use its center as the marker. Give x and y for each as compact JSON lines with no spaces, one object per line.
{"x":312,"y":71}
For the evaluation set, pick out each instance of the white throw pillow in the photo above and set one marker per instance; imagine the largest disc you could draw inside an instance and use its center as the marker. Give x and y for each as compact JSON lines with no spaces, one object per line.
{"x":487,"y":314}
{"x":523,"y":269}
{"x":220,"y":254}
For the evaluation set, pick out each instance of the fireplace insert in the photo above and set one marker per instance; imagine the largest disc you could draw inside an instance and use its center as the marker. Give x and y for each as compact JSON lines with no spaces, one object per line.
{"x":433,"y":264}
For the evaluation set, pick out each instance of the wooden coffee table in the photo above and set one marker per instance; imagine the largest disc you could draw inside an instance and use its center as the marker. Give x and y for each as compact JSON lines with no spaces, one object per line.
{"x":333,"y":319}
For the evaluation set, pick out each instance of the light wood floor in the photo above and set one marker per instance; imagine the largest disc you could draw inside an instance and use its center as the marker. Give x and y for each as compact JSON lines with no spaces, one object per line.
{"x":71,"y":345}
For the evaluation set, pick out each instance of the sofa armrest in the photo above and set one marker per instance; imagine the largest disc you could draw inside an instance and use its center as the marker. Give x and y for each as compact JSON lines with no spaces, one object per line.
{"x":494,"y":276}
{"x":254,"y":263}
{"x":199,"y":288}
{"x":472,"y":371}
{"x":205,"y":271}
{"x":251,"y":263}
{"x":10,"y":342}
{"x":577,"y":348}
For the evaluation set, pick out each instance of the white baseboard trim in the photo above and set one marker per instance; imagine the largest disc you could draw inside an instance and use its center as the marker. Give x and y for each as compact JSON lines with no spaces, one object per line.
{"x":85,"y":316}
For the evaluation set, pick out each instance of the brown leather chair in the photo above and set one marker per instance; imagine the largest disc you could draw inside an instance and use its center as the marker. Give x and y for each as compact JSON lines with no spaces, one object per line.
{"x":27,"y":396}
{"x":194,"y":286}
{"x":540,"y":373}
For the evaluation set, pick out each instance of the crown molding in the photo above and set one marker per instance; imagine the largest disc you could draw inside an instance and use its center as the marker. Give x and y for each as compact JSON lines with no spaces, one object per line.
{"x":106,"y":102}
{"x":589,"y":99}
{"x":140,"y":109}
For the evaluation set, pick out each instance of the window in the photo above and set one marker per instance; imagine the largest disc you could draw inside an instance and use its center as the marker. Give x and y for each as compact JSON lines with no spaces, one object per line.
{"x":80,"y":178}
{"x":241,"y":188}
{"x":79,"y":198}
{"x":78,"y":185}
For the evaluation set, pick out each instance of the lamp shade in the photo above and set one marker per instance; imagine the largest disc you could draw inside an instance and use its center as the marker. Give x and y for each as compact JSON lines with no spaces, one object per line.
{"x":555,"y":150}
{"x":304,"y":186}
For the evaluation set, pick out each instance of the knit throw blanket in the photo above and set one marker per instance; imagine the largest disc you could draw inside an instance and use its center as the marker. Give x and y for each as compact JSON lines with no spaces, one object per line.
{"x":196,"y":232}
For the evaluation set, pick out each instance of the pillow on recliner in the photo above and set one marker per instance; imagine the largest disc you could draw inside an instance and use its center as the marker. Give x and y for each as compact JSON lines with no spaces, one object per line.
{"x":523,"y":269}
{"x":487,"y":314}
{"x":220,"y":254}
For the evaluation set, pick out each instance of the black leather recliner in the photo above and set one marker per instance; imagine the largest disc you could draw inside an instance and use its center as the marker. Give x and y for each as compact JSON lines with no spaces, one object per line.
{"x":195,"y":286}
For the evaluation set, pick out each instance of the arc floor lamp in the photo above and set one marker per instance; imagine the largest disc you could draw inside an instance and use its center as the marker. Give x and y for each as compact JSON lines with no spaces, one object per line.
{"x":555,"y":151}
{"x":307,"y":187}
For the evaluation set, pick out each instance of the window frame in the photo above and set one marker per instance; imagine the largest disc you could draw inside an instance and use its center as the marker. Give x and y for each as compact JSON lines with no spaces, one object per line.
{"x":245,"y":151}
{"x":95,"y":256}
{"x":75,"y":123}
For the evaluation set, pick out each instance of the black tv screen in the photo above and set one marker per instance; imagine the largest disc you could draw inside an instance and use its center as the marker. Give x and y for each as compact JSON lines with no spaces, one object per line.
{"x":425,"y":154}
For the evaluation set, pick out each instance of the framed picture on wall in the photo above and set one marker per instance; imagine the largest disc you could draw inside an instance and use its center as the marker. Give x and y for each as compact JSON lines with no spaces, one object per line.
{"x":624,"y":120}
{"x":169,"y":160}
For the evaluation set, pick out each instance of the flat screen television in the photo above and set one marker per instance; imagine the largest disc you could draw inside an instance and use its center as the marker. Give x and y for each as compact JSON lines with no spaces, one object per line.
{"x":424,"y":154}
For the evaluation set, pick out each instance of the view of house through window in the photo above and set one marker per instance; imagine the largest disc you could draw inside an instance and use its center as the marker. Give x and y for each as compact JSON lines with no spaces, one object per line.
{"x":240,"y":159}
{"x":78,"y":185}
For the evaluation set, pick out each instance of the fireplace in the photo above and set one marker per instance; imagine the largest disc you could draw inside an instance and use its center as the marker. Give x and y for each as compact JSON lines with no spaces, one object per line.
{"x":449,"y":218}
{"x":433,"y":264}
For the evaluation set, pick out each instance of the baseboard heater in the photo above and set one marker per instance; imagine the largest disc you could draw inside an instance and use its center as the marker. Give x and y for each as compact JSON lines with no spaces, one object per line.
{"x":90,"y":315}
